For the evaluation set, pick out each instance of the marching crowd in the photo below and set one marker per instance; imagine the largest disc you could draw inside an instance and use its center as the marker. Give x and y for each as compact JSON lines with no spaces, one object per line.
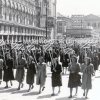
{"x":81,"y":66}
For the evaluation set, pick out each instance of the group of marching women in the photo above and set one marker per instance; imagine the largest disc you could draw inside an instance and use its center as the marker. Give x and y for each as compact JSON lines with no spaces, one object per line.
{"x":75,"y":64}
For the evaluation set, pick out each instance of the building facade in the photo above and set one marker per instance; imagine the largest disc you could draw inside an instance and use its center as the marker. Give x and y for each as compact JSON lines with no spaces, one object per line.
{"x":93,"y":21}
{"x":48,"y":16}
{"x":19,"y":21}
{"x":62,"y":23}
{"x":79,"y":27}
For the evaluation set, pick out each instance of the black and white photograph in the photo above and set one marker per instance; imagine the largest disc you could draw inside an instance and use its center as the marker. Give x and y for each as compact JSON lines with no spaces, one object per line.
{"x":49,"y":49}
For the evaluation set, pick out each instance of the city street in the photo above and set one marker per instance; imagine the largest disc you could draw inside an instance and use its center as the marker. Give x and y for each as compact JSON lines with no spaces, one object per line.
{"x":13,"y":94}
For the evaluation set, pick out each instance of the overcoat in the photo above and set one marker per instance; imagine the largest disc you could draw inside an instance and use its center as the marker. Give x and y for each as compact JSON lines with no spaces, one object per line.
{"x":20,"y":70}
{"x":87,"y":76}
{"x":31,"y":71}
{"x":8,"y":70}
{"x":56,"y":75}
{"x":41,"y":74}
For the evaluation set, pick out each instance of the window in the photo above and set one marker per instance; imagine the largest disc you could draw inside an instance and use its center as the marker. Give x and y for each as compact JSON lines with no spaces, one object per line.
{"x":60,"y":24}
{"x":10,"y":29}
{"x":94,"y":25}
{"x":88,"y":24}
{"x":4,"y":29}
{"x":0,"y":28}
{"x":10,"y":17}
{"x":5,"y":16}
{"x":17,"y":18}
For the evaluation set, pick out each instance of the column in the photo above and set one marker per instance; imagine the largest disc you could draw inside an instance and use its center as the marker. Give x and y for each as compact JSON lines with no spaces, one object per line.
{"x":16,"y":39}
{"x":2,"y":38}
{"x":12,"y":39}
{"x":8,"y":39}
{"x":20,"y":38}
{"x":2,"y":29}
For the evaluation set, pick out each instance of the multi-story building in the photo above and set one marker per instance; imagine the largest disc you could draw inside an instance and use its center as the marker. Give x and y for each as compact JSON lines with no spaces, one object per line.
{"x":62,"y":23}
{"x":19,"y":22}
{"x":93,"y":21}
{"x":48,"y":16}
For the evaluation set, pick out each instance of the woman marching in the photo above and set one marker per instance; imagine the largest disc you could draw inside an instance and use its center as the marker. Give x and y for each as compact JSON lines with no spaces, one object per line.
{"x":1,"y":67}
{"x":20,"y":70}
{"x":8,"y":70}
{"x":31,"y":71}
{"x":41,"y":74}
{"x":74,"y":77}
{"x":87,"y":70}
{"x":56,"y":76}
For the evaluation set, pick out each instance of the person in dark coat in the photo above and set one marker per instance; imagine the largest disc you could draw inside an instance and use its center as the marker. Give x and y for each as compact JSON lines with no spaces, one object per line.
{"x":74,"y":77}
{"x":21,"y":70}
{"x":56,"y":76}
{"x":95,"y":61}
{"x":8,"y":70}
{"x":41,"y":74}
{"x":87,"y":70}
{"x":1,"y":68}
{"x":47,"y":57}
{"x":31,"y":71}
{"x":65,"y":61}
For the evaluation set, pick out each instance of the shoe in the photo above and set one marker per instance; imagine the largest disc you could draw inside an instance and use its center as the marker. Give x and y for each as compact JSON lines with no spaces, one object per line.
{"x":18,"y":89}
{"x":83,"y":94}
{"x":70,"y":96}
{"x":11,"y":84}
{"x":0,"y":82}
{"x":22,"y":85}
{"x":58,"y":92}
{"x":43,"y":88}
{"x":75,"y":94}
{"x":39,"y":92}
{"x":32,"y":87}
{"x":28,"y":90}
{"x":53,"y":94}
{"x":6,"y":87}
{"x":86,"y":97}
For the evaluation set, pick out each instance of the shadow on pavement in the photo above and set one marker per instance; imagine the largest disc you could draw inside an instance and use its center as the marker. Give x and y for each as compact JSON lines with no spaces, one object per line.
{"x":97,"y":77}
{"x":44,"y":96}
{"x":8,"y":90}
{"x":66,"y":98}
{"x":19,"y":91}
{"x":79,"y":99}
{"x":30,"y":94}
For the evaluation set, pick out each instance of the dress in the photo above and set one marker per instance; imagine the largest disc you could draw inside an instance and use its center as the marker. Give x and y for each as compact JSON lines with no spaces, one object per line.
{"x":95,"y":62}
{"x":65,"y":60}
{"x":87,"y":76}
{"x":20,"y":70}
{"x":31,"y":71}
{"x":56,"y":76}
{"x":74,"y":77}
{"x":8,"y":70}
{"x":1,"y":67}
{"x":41,"y":74}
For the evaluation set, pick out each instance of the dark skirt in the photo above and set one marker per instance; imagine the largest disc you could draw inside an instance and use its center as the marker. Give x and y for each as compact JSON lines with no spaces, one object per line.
{"x":0,"y":73}
{"x":56,"y":79}
{"x":74,"y":80}
{"x":20,"y":75}
{"x":30,"y":76}
{"x":8,"y":75}
{"x":64,"y":64}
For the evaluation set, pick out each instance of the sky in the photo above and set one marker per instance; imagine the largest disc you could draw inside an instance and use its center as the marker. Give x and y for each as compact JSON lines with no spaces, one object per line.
{"x":85,"y":7}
